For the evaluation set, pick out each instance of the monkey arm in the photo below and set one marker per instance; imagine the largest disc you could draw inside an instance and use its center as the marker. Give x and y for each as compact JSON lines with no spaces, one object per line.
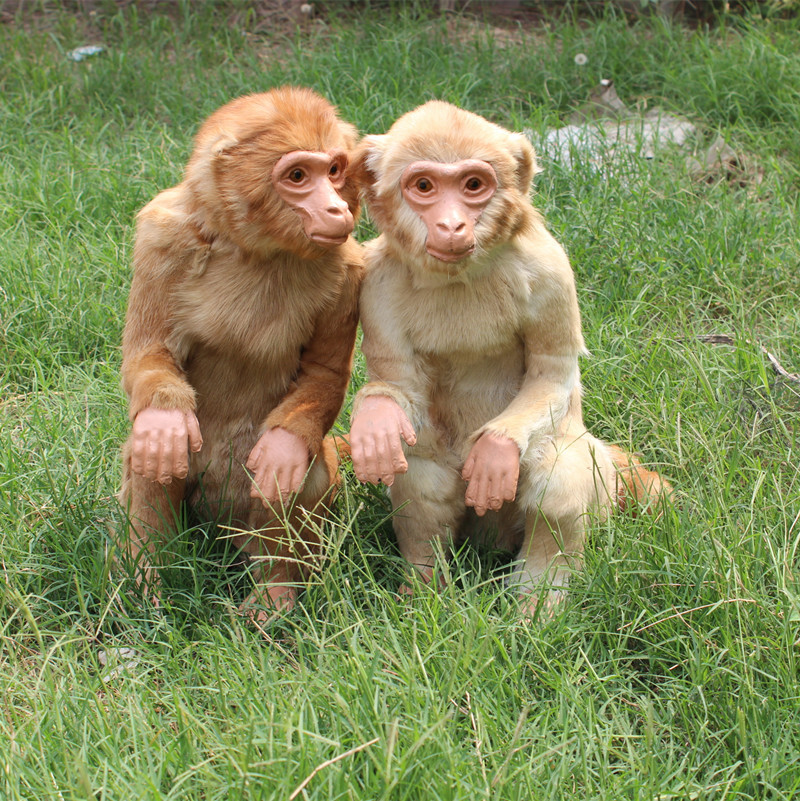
{"x":310,"y":408}
{"x":391,"y":364}
{"x":384,"y":408}
{"x":552,"y":341}
{"x":161,"y":400}
{"x":536,"y":412}
{"x":541,"y":403}
{"x":151,"y":375}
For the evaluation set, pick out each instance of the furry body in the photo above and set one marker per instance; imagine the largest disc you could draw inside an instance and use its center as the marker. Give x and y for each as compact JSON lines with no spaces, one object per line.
{"x":486,"y":347}
{"x":236,"y":317}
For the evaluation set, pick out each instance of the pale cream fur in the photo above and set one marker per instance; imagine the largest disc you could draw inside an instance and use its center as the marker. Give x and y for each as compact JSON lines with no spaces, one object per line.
{"x":489,"y":344}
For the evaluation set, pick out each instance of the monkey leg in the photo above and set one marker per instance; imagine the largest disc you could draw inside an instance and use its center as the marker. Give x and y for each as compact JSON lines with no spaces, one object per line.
{"x":152,"y":515}
{"x":428,"y":504}
{"x":575,"y":477}
{"x":285,"y":542}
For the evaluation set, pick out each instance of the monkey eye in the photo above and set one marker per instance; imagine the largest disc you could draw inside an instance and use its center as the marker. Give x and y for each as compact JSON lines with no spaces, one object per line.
{"x":337,"y":170}
{"x":296,"y":175}
{"x":474,"y":184}
{"x":423,"y":185}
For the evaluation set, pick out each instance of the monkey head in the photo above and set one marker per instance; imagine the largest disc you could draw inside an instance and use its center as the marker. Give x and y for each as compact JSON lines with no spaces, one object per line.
{"x":445,"y":186}
{"x":271,"y":171}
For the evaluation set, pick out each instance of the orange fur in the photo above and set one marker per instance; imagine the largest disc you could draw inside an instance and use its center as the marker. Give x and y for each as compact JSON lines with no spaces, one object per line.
{"x":236,"y":315}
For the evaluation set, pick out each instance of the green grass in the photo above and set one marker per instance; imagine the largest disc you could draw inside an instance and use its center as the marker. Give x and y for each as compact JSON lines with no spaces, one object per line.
{"x":672,"y":670}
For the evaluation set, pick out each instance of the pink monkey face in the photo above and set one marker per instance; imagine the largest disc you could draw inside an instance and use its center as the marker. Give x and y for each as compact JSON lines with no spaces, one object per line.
{"x":449,"y":198}
{"x":310,"y":183}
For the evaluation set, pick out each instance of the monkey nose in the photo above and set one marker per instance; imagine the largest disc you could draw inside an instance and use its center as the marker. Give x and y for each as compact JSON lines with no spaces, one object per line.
{"x":338,"y":208}
{"x":451,"y":226}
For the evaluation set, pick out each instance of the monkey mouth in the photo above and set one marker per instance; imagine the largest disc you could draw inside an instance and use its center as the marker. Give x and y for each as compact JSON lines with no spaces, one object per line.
{"x":450,"y":256}
{"x":328,"y":241}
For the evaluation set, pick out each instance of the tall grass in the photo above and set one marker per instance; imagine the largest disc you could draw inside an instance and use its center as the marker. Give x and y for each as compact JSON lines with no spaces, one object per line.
{"x":671,"y":671}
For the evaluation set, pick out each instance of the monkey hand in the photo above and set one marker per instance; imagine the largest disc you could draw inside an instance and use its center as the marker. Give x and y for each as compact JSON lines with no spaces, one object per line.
{"x":162,"y":439}
{"x":279,"y":463}
{"x":492,"y":470}
{"x":375,"y":440}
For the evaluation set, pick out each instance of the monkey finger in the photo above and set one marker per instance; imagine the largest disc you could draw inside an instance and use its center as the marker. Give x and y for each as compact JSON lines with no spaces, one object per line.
{"x":360,"y":465}
{"x":195,"y":437}
{"x":137,"y":464}
{"x":152,"y":459}
{"x":370,"y":471}
{"x":492,"y":500}
{"x":407,"y":430}
{"x":384,"y":474}
{"x":396,"y":455}
{"x":139,"y":454}
{"x":289,"y":478}
{"x":254,"y":457}
{"x":385,"y":460}
{"x":256,"y":480}
{"x":180,"y":456}
{"x":390,"y":465}
{"x":365,"y":461}
{"x":266,"y":489}
{"x":279,"y":489}
{"x":470,"y":464}
{"x":510,"y":489}
{"x":476,"y":495}
{"x":357,"y":458}
{"x":480,"y":510}
{"x":269,"y":482}
{"x":399,"y":465}
{"x":298,"y":478}
{"x":168,"y":462}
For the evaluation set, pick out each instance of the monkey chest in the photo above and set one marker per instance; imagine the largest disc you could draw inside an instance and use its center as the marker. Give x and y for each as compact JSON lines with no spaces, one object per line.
{"x":246,"y":316}
{"x":463,"y":329}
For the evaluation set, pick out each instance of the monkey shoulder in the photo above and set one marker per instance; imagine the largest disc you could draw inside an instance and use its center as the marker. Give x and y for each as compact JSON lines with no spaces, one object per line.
{"x":167,"y":240}
{"x":551,"y":314}
{"x":542,"y":263}
{"x":350,"y":258}
{"x":384,"y":284}
{"x":351,"y":254}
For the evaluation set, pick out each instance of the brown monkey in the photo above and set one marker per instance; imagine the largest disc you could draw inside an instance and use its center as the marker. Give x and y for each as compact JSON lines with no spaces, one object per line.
{"x":472,"y":336}
{"x":240,"y":332}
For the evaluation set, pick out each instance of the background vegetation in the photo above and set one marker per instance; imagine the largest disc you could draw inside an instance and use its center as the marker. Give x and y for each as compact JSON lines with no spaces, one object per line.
{"x":672,"y":670}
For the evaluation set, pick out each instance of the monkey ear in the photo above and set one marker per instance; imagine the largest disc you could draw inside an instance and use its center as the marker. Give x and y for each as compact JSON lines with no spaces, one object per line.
{"x":222,"y":145}
{"x":367,"y":157}
{"x":525,"y":157}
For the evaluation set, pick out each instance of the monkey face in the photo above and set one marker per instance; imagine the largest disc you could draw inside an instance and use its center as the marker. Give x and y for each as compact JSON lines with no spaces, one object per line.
{"x":449,"y":198}
{"x":310,"y":183}
{"x":445,"y":187}
{"x":270,"y":172}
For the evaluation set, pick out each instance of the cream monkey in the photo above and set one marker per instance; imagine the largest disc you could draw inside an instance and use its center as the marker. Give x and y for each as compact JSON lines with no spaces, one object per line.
{"x":472,"y":334}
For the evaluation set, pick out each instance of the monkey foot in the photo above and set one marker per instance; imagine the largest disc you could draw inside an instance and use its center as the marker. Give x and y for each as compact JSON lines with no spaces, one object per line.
{"x":426,"y":576}
{"x":266,"y":605}
{"x":148,"y":582}
{"x":541,"y":606}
